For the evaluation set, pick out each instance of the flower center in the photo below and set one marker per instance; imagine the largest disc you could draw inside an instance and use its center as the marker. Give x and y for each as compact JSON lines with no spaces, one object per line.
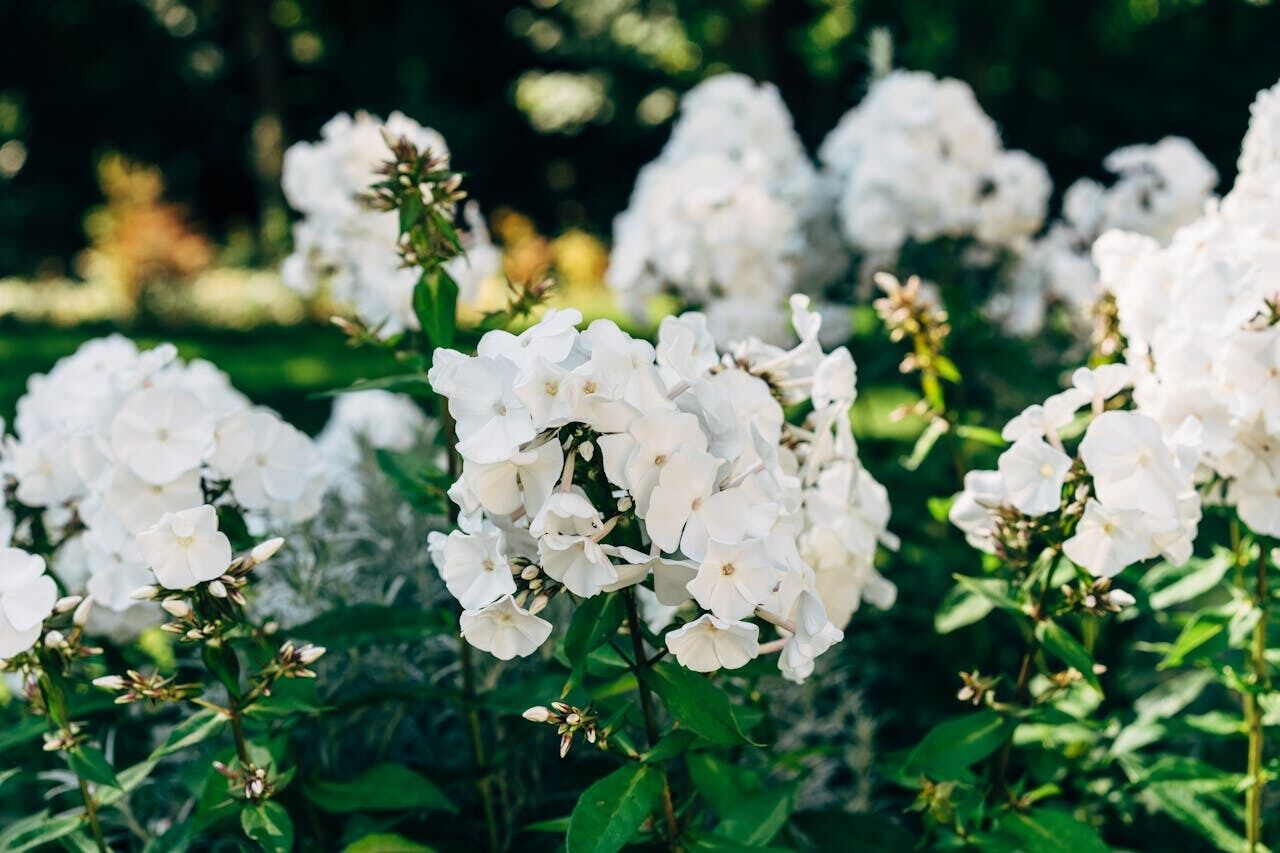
{"x":660,"y":459}
{"x":552,"y":387}
{"x":185,"y":541}
{"x":727,"y":569}
{"x":1046,"y":470}
{"x":487,"y":565}
{"x":589,"y":386}
{"x":499,"y":409}
{"x":696,"y":505}
{"x":162,"y":434}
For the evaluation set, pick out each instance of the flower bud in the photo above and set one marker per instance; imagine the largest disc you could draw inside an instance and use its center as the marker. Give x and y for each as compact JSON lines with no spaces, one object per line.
{"x":54,"y":639}
{"x":264,"y":551}
{"x":537,"y":714}
{"x":310,"y":654}
{"x":144,"y":593}
{"x":1120,"y":598}
{"x":67,"y":603}
{"x":217,"y":589}
{"x":81,"y":616}
{"x":110,"y":682}
{"x":176,"y":607}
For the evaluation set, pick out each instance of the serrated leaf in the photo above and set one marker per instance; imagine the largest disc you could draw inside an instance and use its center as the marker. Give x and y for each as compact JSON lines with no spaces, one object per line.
{"x":197,"y":728}
{"x":696,"y":703}
{"x":269,"y":825}
{"x":610,"y":811}
{"x":383,"y":787}
{"x":1067,"y":649}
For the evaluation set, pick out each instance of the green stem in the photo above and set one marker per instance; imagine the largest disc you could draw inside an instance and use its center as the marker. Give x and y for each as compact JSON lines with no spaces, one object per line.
{"x":650,"y":719}
{"x":56,"y":706}
{"x":1259,"y":680}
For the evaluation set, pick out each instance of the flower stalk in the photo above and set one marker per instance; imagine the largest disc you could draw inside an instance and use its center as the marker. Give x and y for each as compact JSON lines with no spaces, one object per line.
{"x":1258,"y":680}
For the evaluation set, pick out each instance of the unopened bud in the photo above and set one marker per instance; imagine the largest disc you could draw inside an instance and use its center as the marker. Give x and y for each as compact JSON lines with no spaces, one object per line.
{"x":217,"y":589}
{"x":587,"y":451}
{"x":539,"y":604}
{"x":110,"y":682}
{"x":310,"y":654}
{"x":530,"y":572}
{"x":264,"y":551}
{"x":537,"y":714}
{"x":81,"y":616}
{"x":1120,"y":598}
{"x":144,"y":593}
{"x":54,"y":639}
{"x":67,"y":603}
{"x":176,"y":607}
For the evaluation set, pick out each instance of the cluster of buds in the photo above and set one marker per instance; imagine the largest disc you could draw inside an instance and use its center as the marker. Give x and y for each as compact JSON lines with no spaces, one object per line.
{"x":64,"y":739}
{"x":976,"y":688}
{"x":910,"y":311}
{"x":291,"y":661}
{"x":569,"y":721}
{"x":154,"y":689}
{"x":205,"y":610}
{"x":1096,"y":597}
{"x":251,"y":780}
{"x":936,"y":799}
{"x":420,"y":185}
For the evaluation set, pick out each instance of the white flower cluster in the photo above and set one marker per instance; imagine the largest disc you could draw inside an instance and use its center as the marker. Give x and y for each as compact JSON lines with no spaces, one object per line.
{"x":593,"y":461}
{"x":343,"y":245}
{"x":124,"y":450}
{"x":1199,"y":318}
{"x":27,"y":597}
{"x":918,"y":159}
{"x":1140,"y":499}
{"x":363,"y":421}
{"x":731,"y":216}
{"x":1158,"y":189}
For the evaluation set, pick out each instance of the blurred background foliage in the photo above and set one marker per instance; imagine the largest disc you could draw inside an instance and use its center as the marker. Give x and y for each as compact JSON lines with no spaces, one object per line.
{"x":140,"y":143}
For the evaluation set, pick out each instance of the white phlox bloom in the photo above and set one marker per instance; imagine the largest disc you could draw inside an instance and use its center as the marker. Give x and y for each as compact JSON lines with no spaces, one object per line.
{"x":117,"y":438}
{"x":27,"y":596}
{"x":1130,"y":493}
{"x":593,"y":463}
{"x":186,"y":548}
{"x":348,"y":249}
{"x":1158,"y":189}
{"x":732,"y":216}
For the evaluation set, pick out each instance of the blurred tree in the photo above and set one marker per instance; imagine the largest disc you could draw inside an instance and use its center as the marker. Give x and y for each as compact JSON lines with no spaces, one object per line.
{"x":552,"y":105}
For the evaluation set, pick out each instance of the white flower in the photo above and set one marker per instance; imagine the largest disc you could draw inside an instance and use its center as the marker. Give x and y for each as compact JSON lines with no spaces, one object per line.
{"x":550,"y":339}
{"x":475,"y":569}
{"x":138,"y":504}
{"x":636,"y":459}
{"x":709,"y":643}
{"x":116,"y":566}
{"x":492,"y":421}
{"x":1103,"y":382}
{"x":526,"y":479}
{"x":43,"y":469}
{"x":1106,"y":541}
{"x":162,"y":433}
{"x":734,"y":579}
{"x":1130,"y":465}
{"x":1033,"y":473}
{"x":578,"y":562}
{"x":186,"y":548}
{"x":504,"y":629}
{"x":27,"y":596}
{"x":685,"y":510}
{"x":267,"y":460}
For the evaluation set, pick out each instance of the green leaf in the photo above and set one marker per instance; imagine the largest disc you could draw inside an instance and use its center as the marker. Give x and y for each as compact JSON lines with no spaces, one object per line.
{"x":595,"y":620}
{"x":385,"y":842}
{"x":423,"y":485}
{"x":755,"y":820}
{"x":90,"y":764}
{"x":1067,"y":649}
{"x":952,"y":747}
{"x":35,"y":831}
{"x":269,"y":825}
{"x":414,"y":384}
{"x":851,"y":833}
{"x":197,"y":728}
{"x":383,"y":787}
{"x":1200,"y":629}
{"x":719,"y":782}
{"x":670,"y":746}
{"x":980,"y":434}
{"x":1172,"y":695}
{"x":934,"y":431}
{"x":1205,"y":575}
{"x":610,"y":811}
{"x":696,"y":703}
{"x":222,"y":661}
{"x":435,"y":301}
{"x":994,"y":590}
{"x":345,"y":627}
{"x":963,"y":606}
{"x":1047,"y":830}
